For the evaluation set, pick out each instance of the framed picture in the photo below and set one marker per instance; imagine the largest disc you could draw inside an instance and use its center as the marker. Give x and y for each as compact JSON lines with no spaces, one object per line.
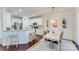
{"x":64,"y":23}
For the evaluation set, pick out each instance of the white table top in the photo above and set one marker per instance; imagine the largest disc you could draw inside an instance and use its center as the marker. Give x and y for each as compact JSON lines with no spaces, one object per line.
{"x":52,"y":36}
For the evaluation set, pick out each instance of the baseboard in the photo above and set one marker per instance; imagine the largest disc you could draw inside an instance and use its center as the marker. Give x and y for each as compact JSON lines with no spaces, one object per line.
{"x":77,"y":46}
{"x":39,"y":35}
{"x":66,"y":39}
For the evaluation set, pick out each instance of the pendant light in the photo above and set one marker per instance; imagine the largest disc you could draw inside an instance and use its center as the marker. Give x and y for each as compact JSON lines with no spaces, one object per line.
{"x":53,"y":11}
{"x":54,"y":21}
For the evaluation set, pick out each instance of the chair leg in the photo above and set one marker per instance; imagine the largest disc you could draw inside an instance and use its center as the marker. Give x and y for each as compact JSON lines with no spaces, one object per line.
{"x":7,"y":46}
{"x":58,"y":47}
{"x":8,"y":43}
{"x":17,"y":45}
{"x":17,"y":42}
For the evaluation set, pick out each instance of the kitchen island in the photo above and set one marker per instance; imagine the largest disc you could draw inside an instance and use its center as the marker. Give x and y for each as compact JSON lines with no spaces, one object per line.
{"x":23,"y":37}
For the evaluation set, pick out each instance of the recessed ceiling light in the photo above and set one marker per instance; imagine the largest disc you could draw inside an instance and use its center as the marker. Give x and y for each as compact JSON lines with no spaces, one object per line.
{"x":16,"y":12}
{"x":13,"y":14}
{"x":20,"y":10}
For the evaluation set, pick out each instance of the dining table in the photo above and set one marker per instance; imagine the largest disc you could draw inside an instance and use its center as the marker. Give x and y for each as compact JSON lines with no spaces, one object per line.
{"x":54,"y":37}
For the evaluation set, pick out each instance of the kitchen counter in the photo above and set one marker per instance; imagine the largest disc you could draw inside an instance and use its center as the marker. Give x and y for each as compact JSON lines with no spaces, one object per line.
{"x":23,"y":37}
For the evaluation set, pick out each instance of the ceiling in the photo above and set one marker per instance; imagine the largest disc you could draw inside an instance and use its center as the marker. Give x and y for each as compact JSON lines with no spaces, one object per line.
{"x":32,"y":11}
{"x":27,"y":11}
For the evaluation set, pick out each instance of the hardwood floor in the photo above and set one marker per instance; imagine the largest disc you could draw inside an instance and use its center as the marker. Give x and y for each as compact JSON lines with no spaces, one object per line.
{"x":22,"y":47}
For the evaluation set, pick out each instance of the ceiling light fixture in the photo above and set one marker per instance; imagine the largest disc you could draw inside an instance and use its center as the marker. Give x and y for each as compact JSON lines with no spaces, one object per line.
{"x":53,"y":8}
{"x":20,"y":10}
{"x":12,"y":13}
{"x":16,"y":12}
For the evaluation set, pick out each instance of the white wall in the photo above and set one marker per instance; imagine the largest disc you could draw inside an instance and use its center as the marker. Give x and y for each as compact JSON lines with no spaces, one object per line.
{"x":4,"y":21}
{"x":68,"y":32}
{"x":6,"y":17}
{"x":77,"y":24}
{"x":78,"y":28}
{"x":0,"y":27}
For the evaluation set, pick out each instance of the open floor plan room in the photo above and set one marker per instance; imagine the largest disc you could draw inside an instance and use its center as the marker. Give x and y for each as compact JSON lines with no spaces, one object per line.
{"x":39,"y":29}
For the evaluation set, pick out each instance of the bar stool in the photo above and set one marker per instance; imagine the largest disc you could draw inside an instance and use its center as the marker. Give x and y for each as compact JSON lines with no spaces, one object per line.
{"x":13,"y":39}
